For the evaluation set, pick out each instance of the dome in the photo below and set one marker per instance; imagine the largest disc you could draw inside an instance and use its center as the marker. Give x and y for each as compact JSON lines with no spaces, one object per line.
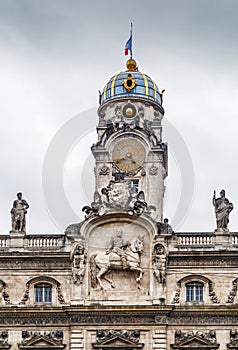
{"x":131,"y":83}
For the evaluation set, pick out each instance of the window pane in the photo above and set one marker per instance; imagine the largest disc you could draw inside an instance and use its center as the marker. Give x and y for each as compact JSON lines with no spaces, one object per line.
{"x":38,"y":294}
{"x":48,"y":294}
{"x":194,"y":291}
{"x":190,"y":293}
{"x":43,"y":293}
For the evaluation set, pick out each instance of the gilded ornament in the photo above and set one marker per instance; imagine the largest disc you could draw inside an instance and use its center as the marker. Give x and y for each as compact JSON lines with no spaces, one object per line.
{"x":129,"y":83}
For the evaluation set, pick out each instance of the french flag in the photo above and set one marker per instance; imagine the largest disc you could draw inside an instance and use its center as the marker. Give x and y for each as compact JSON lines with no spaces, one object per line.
{"x":128,"y":46}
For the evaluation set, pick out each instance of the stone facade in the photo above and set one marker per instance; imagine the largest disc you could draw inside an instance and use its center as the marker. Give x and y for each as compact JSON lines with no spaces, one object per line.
{"x":121,"y":279}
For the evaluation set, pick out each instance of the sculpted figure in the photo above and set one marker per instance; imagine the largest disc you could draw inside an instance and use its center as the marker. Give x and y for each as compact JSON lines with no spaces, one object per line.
{"x":78,"y":257}
{"x":18,"y":212}
{"x":222,"y":210}
{"x":165,"y":227}
{"x":118,"y":245}
{"x":160,"y":256}
{"x":118,"y":253}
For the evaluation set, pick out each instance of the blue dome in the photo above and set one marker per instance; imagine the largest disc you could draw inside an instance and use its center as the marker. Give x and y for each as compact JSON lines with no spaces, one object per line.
{"x":131,"y":84}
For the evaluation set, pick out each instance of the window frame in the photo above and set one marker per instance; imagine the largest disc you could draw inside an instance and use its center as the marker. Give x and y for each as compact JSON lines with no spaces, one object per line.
{"x":45,"y":294}
{"x":194,"y":292}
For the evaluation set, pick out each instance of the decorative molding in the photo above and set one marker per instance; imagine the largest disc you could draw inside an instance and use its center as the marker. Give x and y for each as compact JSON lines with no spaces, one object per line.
{"x":4,"y":340}
{"x":60,"y":294}
{"x":190,"y":261}
{"x":49,"y":339}
{"x":44,"y":262}
{"x":25,"y":295}
{"x":233,"y":292}
{"x":212,"y":293}
{"x":5,"y":295}
{"x":203,"y":319}
{"x":153,"y":170}
{"x":37,"y":279}
{"x":123,"y":338}
{"x":190,"y":278}
{"x":117,"y":196}
{"x":233,"y":340}
{"x":195,"y":340}
{"x":66,"y":318}
{"x":104,"y":170}
{"x":176,"y":297}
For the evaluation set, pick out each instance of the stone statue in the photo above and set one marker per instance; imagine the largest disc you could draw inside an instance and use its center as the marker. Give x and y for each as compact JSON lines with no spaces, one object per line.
{"x":222,"y":210}
{"x":165,"y":227}
{"x":118,"y":245}
{"x":159,"y":258}
{"x":18,"y":212}
{"x":78,"y":258}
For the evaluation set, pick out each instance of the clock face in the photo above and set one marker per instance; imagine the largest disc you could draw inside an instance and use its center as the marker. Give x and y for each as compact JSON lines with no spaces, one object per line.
{"x":129,"y":155}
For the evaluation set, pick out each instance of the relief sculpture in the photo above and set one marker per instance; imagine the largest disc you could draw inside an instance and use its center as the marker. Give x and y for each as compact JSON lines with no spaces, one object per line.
{"x":120,"y":255}
{"x":160,"y":256}
{"x":78,"y":258}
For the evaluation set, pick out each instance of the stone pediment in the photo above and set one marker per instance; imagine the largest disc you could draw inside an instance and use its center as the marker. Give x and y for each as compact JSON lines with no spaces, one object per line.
{"x":117,"y":342}
{"x":195,"y":342}
{"x":41,"y":342}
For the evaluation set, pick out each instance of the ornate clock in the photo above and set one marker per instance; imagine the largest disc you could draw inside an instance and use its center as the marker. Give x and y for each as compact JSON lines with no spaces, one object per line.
{"x":128,"y":154}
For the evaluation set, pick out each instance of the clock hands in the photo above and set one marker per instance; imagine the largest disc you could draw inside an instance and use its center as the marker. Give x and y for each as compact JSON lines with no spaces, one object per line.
{"x":130,"y":159}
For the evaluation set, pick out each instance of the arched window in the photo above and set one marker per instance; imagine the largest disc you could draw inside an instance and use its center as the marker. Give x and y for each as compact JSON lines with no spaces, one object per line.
{"x":43,"y":293}
{"x":194,"y":291}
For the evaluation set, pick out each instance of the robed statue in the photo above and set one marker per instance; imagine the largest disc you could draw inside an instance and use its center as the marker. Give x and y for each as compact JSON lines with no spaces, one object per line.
{"x":222,"y":210}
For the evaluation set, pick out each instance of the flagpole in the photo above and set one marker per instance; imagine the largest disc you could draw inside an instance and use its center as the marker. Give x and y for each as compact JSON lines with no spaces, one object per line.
{"x":131,"y":41}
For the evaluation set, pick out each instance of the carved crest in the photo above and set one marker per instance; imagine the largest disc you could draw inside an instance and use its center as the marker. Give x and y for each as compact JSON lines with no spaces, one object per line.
{"x":118,"y":195}
{"x":196,"y":340}
{"x":36,"y":340}
{"x":110,"y":338}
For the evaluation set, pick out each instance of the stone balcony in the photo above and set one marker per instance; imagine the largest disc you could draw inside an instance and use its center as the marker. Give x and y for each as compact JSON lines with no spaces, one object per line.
{"x":181,"y":241}
{"x":205,"y":241}
{"x":36,"y":242}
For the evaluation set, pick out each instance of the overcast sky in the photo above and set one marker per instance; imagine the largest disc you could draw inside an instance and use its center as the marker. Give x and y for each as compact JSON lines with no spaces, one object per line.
{"x":56,"y":54}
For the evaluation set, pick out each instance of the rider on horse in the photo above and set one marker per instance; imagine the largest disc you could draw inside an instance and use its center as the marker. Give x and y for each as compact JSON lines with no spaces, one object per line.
{"x":117,"y":246}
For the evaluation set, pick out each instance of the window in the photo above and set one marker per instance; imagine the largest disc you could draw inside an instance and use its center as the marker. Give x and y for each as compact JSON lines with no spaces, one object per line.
{"x":194,"y":291}
{"x":43,"y":293}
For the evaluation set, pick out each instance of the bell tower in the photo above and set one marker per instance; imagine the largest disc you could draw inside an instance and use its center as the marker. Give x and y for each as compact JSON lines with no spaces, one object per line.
{"x":130,"y":146}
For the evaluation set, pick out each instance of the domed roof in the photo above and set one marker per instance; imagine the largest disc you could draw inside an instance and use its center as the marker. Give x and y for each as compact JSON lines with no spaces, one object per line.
{"x":131,"y":83}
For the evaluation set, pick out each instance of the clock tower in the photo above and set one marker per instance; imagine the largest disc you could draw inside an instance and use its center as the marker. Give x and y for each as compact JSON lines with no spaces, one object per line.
{"x":123,"y":233}
{"x":130,"y":147}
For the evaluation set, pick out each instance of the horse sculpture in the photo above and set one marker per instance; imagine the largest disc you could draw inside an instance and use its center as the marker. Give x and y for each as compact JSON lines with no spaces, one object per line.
{"x":107,"y":262}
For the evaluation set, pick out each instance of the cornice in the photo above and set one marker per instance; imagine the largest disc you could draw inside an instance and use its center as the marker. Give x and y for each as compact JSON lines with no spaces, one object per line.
{"x":113,"y":315}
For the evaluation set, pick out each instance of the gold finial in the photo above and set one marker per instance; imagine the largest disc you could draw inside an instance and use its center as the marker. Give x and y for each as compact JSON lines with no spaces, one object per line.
{"x":131,"y":65}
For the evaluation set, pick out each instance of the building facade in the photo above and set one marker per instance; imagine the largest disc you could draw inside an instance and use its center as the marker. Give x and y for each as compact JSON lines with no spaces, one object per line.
{"x":121,"y":279}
